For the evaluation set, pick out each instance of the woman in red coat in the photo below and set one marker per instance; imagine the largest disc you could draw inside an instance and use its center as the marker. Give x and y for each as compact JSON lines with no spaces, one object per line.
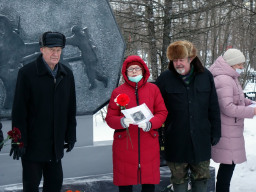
{"x":136,"y":155}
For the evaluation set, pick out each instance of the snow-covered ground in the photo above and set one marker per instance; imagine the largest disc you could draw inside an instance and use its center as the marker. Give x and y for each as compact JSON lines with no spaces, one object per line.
{"x":244,"y":177}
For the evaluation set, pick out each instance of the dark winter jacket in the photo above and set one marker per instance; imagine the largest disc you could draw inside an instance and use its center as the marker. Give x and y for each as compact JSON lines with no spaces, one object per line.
{"x":193,"y":114}
{"x":1,"y":136}
{"x":138,"y":161}
{"x":44,"y":109}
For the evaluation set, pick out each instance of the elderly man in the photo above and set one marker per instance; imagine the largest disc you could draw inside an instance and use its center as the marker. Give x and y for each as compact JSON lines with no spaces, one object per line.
{"x":193,"y":122}
{"x":44,"y":110}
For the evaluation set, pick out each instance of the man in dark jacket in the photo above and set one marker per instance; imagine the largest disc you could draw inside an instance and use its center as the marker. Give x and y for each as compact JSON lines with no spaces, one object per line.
{"x":44,"y":110}
{"x":193,"y":122}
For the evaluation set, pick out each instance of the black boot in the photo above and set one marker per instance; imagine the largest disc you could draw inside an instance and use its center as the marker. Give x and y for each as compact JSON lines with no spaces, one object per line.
{"x":181,"y":187}
{"x":199,"y":186}
{"x":127,"y":188}
{"x":148,"y":188}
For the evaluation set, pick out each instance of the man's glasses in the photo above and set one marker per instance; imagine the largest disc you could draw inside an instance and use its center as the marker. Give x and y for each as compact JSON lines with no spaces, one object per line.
{"x":131,"y":69}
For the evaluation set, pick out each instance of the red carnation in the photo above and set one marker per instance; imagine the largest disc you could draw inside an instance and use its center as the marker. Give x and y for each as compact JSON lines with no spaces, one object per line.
{"x":122,"y":100}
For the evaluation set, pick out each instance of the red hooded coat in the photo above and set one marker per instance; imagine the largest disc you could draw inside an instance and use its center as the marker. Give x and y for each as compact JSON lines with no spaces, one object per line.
{"x":136,"y":161}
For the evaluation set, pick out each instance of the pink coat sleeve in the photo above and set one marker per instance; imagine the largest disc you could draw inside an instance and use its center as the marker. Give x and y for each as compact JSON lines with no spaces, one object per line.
{"x":226,"y":87}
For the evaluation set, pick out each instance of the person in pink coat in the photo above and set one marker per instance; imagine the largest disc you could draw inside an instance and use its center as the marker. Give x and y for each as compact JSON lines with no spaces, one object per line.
{"x":234,"y":108}
{"x":136,"y":152}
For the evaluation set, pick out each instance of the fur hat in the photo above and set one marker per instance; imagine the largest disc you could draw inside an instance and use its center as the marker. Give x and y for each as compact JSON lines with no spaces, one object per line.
{"x":180,"y":50}
{"x":52,"y":39}
{"x":233,"y":57}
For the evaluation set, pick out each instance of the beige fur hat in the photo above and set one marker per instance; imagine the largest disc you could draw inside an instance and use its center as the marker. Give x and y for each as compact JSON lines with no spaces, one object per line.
{"x":180,"y":50}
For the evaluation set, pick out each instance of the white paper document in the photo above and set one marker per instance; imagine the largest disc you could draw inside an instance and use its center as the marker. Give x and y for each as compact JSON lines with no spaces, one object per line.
{"x":139,"y":114}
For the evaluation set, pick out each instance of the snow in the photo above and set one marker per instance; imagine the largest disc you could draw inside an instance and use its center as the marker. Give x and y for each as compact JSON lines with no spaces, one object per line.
{"x":244,"y":176}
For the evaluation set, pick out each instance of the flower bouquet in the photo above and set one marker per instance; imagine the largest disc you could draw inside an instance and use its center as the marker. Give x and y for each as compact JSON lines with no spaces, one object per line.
{"x":15,"y":135}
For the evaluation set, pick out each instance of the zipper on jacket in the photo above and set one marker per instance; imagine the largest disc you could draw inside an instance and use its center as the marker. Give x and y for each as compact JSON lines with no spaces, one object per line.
{"x":139,"y":166}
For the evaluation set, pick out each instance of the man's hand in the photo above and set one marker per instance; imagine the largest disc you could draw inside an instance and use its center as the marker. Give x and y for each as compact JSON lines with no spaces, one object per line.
{"x":17,"y":151}
{"x":215,"y":140}
{"x":69,"y":146}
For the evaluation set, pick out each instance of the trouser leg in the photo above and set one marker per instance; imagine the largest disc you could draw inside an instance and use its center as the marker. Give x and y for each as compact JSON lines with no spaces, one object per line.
{"x":224,"y":176}
{"x":127,"y":188}
{"x":53,"y":176}
{"x":179,"y":177}
{"x":148,"y":188}
{"x":31,"y":175}
{"x":200,"y":173}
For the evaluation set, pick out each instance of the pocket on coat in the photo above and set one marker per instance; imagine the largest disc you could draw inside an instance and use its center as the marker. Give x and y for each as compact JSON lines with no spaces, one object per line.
{"x":121,"y":141}
{"x":120,"y":134}
{"x":203,"y":95}
{"x":154,"y":133}
{"x":177,"y":95}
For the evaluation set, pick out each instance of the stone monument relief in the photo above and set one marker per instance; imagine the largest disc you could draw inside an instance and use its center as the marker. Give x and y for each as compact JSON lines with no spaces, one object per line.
{"x":94,"y":48}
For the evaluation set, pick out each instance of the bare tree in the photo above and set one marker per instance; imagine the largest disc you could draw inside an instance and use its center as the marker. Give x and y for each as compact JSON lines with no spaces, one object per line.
{"x":149,"y":26}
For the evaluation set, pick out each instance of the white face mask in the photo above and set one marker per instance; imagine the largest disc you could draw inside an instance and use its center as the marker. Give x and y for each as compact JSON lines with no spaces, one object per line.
{"x":135,"y":79}
{"x":239,"y":71}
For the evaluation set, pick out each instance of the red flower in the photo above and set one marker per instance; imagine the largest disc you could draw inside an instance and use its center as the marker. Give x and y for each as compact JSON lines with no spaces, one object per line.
{"x":15,"y":135}
{"x":122,"y":100}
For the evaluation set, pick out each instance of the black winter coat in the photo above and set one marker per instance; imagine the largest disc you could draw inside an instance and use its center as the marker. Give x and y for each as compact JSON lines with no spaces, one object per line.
{"x":193,"y":114}
{"x":44,"y":110}
{"x":1,"y":136}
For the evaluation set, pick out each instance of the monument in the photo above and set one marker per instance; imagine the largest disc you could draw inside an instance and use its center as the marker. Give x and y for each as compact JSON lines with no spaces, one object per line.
{"x":94,"y":52}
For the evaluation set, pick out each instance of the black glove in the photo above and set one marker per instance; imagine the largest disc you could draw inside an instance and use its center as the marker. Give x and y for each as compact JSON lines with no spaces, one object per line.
{"x":17,"y":151}
{"x":215,"y":140}
{"x":69,"y":146}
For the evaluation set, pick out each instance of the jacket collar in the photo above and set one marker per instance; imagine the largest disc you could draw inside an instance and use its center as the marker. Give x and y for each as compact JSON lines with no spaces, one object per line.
{"x":42,"y":69}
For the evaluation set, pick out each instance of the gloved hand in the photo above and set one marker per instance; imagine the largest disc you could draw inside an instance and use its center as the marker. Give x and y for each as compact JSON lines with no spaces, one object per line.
{"x":215,"y":140}
{"x":145,"y":126}
{"x":17,"y":151}
{"x":125,"y":122}
{"x":69,"y":146}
